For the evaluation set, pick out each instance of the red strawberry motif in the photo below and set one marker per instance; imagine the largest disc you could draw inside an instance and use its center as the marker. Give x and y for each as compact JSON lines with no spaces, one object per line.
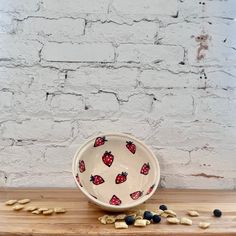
{"x":115,"y":200}
{"x":78,"y":180}
{"x":96,"y":179}
{"x":99,"y":141}
{"x":131,"y":147}
{"x":136,"y":195}
{"x":145,"y":169}
{"x":150,"y":189}
{"x":107,"y":158}
{"x":121,"y":178}
{"x":81,"y":166}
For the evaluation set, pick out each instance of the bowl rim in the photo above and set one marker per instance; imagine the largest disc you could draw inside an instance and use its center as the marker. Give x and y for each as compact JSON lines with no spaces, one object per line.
{"x":106,"y":205}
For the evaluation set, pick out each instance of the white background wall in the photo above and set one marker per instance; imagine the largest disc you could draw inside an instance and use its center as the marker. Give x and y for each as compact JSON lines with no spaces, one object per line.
{"x":69,"y":69}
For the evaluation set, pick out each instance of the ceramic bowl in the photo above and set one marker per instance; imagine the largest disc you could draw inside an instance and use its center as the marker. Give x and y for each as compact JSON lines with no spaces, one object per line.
{"x":116,"y":171}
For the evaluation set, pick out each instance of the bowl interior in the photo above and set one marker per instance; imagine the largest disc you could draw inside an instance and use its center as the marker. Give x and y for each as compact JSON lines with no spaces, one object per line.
{"x":117,"y":170}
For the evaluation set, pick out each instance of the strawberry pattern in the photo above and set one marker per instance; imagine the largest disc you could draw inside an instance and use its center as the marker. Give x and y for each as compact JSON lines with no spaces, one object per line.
{"x":150,"y":189}
{"x":107,"y":159}
{"x":131,"y":147}
{"x":81,"y":166}
{"x":145,"y":169}
{"x":99,"y":141}
{"x":136,"y":195}
{"x":115,"y":201}
{"x":121,"y":178}
{"x":97,"y":179}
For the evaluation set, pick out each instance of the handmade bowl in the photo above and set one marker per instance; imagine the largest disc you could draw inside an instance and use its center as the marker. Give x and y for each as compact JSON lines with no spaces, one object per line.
{"x":116,"y":171}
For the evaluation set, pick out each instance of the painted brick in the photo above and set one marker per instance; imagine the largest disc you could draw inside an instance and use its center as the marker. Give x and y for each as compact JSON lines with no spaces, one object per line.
{"x":78,"y":52}
{"x":147,"y":53}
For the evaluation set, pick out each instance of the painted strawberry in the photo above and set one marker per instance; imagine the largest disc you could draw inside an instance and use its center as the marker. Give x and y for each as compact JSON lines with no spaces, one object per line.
{"x":115,"y":200}
{"x":107,"y":158}
{"x":121,"y":178}
{"x":99,"y":141}
{"x":145,"y":169}
{"x":131,"y":147}
{"x":78,"y":180}
{"x":136,"y":195}
{"x":150,"y":189}
{"x":96,"y":179}
{"x":81,"y":166}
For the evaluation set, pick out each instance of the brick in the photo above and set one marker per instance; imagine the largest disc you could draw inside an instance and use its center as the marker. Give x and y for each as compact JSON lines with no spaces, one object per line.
{"x":138,"y":103}
{"x":18,"y":51}
{"x":103,"y":102}
{"x":67,"y":102}
{"x":183,"y":181}
{"x":38,"y":129}
{"x":75,"y":7}
{"x":139,"y":129}
{"x":157,"y":7}
{"x":96,"y":52}
{"x":63,"y":29}
{"x":119,"y":80}
{"x":19,"y":6}
{"x":58,"y":159}
{"x":140,"y":32}
{"x":219,"y":79}
{"x":29,"y":79}
{"x":52,"y":179}
{"x":175,"y":105}
{"x":147,"y":53}
{"x":220,"y":110}
{"x":32,"y":159}
{"x":156,"y":79}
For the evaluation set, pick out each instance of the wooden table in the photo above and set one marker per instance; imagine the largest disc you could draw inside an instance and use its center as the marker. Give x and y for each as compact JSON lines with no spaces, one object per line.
{"x":81,"y":218}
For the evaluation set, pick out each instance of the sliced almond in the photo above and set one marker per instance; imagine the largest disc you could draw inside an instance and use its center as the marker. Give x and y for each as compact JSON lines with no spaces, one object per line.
{"x":24,"y":201}
{"x":48,"y":212}
{"x":31,"y":208}
{"x":43,"y":209}
{"x":204,"y":225}
{"x":59,"y":210}
{"x":121,"y":225}
{"x":170,"y":213}
{"x":185,"y":221}
{"x":18,"y":207}
{"x":164,"y":215}
{"x":110,"y":219}
{"x":173,"y":220}
{"x":36,"y":212}
{"x":10,"y":202}
{"x":193,"y":213}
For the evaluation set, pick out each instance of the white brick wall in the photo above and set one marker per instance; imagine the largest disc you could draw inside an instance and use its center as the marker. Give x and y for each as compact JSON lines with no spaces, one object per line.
{"x":71,"y":69}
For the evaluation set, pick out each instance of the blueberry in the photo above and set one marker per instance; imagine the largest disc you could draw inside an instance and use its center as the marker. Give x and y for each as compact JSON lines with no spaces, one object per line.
{"x":147,"y":215}
{"x":217,"y":213}
{"x":163,"y":207}
{"x":156,"y":219}
{"x":129,"y":220}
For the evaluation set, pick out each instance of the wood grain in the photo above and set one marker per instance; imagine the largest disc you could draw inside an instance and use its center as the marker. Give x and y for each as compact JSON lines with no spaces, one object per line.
{"x":81,"y":218}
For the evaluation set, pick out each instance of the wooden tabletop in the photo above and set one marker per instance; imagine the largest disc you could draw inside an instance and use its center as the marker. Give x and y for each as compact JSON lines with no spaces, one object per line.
{"x":81,"y":216}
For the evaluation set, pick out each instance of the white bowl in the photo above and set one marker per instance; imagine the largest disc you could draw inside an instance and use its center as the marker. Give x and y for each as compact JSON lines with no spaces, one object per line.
{"x":116,"y":171}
